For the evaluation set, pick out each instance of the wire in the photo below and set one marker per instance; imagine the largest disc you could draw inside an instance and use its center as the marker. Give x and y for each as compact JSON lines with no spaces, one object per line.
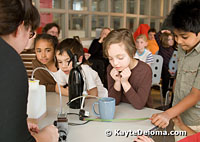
{"x":54,"y":79}
{"x":87,"y":96}
{"x":116,"y":120}
{"x":76,"y":124}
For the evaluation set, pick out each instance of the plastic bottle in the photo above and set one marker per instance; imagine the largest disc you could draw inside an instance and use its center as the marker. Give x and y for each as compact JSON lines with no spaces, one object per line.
{"x":36,"y":106}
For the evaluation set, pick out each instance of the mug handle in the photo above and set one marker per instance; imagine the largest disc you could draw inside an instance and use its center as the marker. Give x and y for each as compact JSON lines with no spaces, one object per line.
{"x":93,"y":109}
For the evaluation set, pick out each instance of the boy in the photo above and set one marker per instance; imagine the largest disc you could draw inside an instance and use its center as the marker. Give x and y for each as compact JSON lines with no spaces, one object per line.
{"x":185,"y":20}
{"x":152,"y":45}
{"x":142,"y":53}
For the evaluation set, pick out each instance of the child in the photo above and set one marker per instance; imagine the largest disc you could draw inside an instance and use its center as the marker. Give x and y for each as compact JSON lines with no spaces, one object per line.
{"x":185,"y":20}
{"x":93,"y":82}
{"x":165,"y":40}
{"x":152,"y":45}
{"x":192,"y":136}
{"x":44,"y":46}
{"x":142,"y":53}
{"x":129,"y":79}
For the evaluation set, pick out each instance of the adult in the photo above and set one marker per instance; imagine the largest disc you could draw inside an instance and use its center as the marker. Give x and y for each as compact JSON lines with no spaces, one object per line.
{"x":99,"y":63}
{"x":52,"y":29}
{"x":19,"y":18}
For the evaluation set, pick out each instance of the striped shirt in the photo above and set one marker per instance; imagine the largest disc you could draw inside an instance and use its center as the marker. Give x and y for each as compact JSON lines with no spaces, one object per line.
{"x":146,"y":56}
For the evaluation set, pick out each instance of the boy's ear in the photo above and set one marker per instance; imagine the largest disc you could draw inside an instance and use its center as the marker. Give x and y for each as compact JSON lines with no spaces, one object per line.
{"x":80,"y":59}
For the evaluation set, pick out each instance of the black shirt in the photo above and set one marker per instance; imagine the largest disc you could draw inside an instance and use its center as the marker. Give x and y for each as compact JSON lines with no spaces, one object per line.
{"x":13,"y":96}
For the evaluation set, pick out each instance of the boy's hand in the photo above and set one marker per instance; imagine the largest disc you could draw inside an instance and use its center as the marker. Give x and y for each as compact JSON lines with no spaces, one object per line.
{"x":115,"y":74}
{"x":160,"y":119}
{"x":178,"y":122}
{"x":125,"y":74}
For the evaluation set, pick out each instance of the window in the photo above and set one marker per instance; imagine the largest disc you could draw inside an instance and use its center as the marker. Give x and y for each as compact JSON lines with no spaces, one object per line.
{"x":78,"y":25}
{"x":155,"y":11}
{"x":78,"y":5}
{"x":52,"y":4}
{"x":100,"y":5}
{"x":116,"y":6}
{"x":144,"y":7}
{"x":131,"y":6}
{"x":116,"y":22}
{"x":131,"y":23}
{"x":76,"y":18}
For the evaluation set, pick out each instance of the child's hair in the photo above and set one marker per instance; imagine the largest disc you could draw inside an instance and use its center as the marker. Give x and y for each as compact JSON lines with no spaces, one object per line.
{"x":123,"y":36}
{"x":52,"y":39}
{"x":71,"y":44}
{"x":152,"y":30}
{"x":49,"y":26}
{"x":164,"y":38}
{"x":186,"y":16}
{"x":142,"y":36}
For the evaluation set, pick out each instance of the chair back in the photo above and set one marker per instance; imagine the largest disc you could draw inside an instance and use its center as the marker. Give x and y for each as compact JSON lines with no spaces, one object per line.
{"x":173,"y":63}
{"x":156,"y":67}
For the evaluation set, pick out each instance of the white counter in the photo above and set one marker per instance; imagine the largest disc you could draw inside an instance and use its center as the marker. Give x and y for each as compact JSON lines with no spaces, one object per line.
{"x":95,"y":131}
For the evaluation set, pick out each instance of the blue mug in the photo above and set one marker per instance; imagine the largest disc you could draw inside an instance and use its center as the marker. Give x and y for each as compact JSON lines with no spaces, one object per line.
{"x":106,"y":107}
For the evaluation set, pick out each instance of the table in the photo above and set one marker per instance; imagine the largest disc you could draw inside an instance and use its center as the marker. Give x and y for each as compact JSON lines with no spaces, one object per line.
{"x":95,"y":131}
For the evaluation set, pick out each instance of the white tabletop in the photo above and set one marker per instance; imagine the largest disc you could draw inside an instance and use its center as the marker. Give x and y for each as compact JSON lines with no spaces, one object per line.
{"x":95,"y":131}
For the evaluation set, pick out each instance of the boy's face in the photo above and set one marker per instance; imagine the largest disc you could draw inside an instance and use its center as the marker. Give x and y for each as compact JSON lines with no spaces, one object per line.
{"x":187,"y":40}
{"x":118,"y":56}
{"x":63,"y":61}
{"x":151,"y":35}
{"x":44,"y":51}
{"x":140,"y":44}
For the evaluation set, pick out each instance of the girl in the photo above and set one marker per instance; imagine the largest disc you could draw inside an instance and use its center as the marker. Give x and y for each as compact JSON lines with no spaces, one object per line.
{"x":142,"y":53}
{"x":93,"y":82}
{"x":165,"y":40}
{"x":44,"y":46}
{"x":129,"y":79}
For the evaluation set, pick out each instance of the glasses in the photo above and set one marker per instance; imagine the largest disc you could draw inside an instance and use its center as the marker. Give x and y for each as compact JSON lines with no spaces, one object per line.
{"x":31,"y":34}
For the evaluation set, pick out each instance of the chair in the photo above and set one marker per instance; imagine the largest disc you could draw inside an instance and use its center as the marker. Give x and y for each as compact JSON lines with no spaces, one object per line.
{"x":27,"y":58}
{"x":172,"y":68}
{"x":156,"y":67}
{"x":173,"y":63}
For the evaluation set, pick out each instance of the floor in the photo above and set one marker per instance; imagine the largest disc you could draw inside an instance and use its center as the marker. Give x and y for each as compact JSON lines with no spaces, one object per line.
{"x":156,"y":103}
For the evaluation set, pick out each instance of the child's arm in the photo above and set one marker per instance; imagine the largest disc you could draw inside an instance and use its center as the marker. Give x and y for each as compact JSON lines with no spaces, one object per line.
{"x":64,"y":91}
{"x":178,"y":122}
{"x":162,"y":119}
{"x":138,"y":98}
{"x":112,"y":84}
{"x":44,"y":77}
{"x":93,"y":92}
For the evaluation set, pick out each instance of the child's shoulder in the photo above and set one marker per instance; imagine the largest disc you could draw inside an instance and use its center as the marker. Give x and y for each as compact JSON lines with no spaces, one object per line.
{"x":86,"y":68}
{"x":143,"y":66}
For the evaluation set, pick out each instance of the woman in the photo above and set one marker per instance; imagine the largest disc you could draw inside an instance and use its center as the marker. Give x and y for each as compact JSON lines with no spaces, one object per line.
{"x":18,"y":19}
